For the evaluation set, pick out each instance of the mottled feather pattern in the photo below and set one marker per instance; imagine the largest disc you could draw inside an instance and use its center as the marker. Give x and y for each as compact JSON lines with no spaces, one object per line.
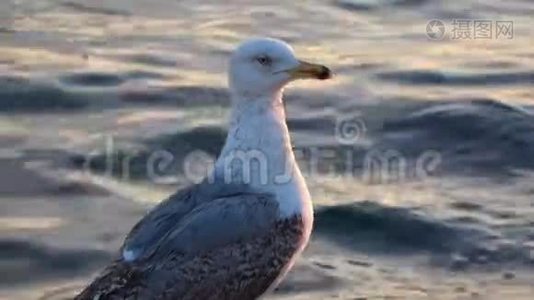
{"x":242,"y":270}
{"x":218,"y":223}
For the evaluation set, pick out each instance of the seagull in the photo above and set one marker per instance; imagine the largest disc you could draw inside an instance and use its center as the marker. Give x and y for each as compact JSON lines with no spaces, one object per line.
{"x":237,"y":233}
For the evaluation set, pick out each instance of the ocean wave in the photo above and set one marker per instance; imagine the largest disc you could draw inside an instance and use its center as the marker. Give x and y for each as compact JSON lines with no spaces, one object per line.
{"x":20,"y":94}
{"x":420,"y":77}
{"x":360,"y":5}
{"x":373,"y":228}
{"x":478,"y":133}
{"x":34,"y":262}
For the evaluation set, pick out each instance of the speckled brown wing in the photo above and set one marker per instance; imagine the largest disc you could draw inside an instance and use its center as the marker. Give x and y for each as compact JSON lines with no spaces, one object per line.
{"x":120,"y":280}
{"x":230,"y":248}
{"x":243,"y":270}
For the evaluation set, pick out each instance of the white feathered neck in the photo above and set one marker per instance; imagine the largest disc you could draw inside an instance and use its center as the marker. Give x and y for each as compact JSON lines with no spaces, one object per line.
{"x":258,"y":136}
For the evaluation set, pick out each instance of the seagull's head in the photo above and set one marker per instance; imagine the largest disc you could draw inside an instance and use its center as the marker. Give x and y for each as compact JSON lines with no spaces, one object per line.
{"x":262,"y":67}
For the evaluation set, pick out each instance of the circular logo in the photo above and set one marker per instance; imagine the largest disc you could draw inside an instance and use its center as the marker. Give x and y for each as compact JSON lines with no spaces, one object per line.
{"x":349,"y":129}
{"x":435,"y":29}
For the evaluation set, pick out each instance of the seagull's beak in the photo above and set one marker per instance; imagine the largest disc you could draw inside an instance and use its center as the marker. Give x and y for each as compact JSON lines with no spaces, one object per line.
{"x":306,"y":70}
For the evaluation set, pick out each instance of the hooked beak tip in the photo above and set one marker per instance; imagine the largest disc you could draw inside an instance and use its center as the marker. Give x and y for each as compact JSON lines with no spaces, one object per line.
{"x":306,"y":70}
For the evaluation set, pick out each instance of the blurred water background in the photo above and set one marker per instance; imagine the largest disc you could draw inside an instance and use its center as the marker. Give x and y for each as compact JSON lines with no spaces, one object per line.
{"x":419,"y":155}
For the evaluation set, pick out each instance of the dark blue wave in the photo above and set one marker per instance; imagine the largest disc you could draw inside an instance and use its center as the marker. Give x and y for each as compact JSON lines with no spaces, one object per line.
{"x":478,"y":133}
{"x":22,"y":94}
{"x":372,"y":228}
{"x":420,"y":77}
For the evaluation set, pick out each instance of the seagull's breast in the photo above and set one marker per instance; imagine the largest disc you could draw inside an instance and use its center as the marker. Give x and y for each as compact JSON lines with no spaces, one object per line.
{"x":258,"y":152}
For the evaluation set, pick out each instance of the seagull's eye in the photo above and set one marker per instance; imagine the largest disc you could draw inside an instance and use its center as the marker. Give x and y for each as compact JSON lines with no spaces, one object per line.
{"x":264,"y":60}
